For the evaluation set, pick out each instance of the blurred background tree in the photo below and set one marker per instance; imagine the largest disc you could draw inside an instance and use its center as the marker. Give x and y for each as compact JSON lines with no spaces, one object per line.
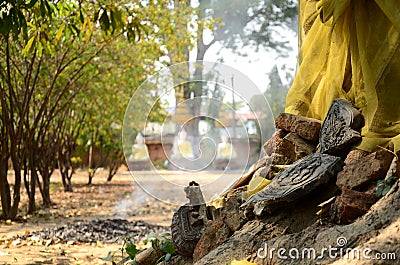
{"x":69,"y":68}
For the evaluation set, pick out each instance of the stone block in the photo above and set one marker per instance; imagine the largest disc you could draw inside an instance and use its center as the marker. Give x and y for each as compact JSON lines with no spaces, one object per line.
{"x":350,"y":205}
{"x":273,"y":142}
{"x":216,"y":233}
{"x":294,"y":147}
{"x":360,"y":173}
{"x":354,"y":155}
{"x":231,"y":213}
{"x":306,"y":128}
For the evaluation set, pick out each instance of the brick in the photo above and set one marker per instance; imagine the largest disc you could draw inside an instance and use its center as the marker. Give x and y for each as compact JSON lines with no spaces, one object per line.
{"x":306,"y":128}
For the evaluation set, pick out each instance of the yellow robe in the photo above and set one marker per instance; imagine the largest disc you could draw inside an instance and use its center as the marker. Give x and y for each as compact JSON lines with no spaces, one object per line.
{"x":350,"y":49}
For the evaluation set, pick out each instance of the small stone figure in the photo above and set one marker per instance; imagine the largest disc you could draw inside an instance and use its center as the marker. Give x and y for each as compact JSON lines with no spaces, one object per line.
{"x":182,"y":147}
{"x":139,"y":150}
{"x":225,"y":153}
{"x":189,"y":221}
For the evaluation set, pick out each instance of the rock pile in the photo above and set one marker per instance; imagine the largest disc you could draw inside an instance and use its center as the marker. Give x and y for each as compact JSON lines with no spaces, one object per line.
{"x":309,"y":166}
{"x":105,"y":231}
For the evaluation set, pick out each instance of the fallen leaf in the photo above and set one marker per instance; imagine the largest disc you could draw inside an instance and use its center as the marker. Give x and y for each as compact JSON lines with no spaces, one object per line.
{"x":16,"y":242}
{"x":48,"y":242}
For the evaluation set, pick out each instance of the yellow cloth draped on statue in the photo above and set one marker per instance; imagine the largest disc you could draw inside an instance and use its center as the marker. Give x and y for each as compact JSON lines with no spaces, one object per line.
{"x":140,"y":152}
{"x":225,"y":151}
{"x":350,"y":49}
{"x":185,"y":149}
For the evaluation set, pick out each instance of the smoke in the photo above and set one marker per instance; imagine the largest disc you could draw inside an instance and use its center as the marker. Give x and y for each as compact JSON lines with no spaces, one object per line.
{"x":132,"y":203}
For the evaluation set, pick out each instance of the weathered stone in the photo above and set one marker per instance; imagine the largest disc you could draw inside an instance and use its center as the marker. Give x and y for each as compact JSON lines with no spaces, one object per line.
{"x":231,"y":213}
{"x":216,"y":233}
{"x":148,"y":256}
{"x":239,"y":245}
{"x":339,"y":131}
{"x":265,"y":172}
{"x":350,"y":205}
{"x":287,"y":150}
{"x":177,"y":260}
{"x":187,"y":225}
{"x":378,"y":230}
{"x":294,"y":147}
{"x":359,"y":174}
{"x":355,"y":155}
{"x":274,"y":141}
{"x":306,"y":128}
{"x":295,"y":182}
{"x":278,"y":159}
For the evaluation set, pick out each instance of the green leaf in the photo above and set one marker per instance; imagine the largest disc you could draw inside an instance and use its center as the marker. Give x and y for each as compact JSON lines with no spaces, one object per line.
{"x":113,"y":22}
{"x":60,"y":32}
{"x":15,"y":24}
{"x":32,"y":3}
{"x":5,"y":24}
{"x":155,"y":243}
{"x":168,"y":247}
{"x":386,"y":190}
{"x":379,"y":190}
{"x":152,"y":235}
{"x":42,"y":8}
{"x":49,"y":9}
{"x":74,"y":27}
{"x":23,"y":25}
{"x":81,"y":18}
{"x":28,"y":46}
{"x":131,"y":250}
{"x":390,"y":180}
{"x":118,"y":18}
{"x":96,"y":16}
{"x":104,"y":22}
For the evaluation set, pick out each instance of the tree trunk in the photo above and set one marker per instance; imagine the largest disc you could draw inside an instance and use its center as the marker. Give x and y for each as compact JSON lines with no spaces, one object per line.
{"x":32,"y":189}
{"x":46,"y":190}
{"x":17,"y":189}
{"x":112,"y":170}
{"x":4,"y":190}
{"x":91,"y":175}
{"x":65,"y":176}
{"x":69,"y":184}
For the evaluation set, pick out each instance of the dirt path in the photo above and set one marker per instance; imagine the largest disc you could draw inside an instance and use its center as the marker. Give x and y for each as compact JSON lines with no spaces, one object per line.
{"x":120,"y":198}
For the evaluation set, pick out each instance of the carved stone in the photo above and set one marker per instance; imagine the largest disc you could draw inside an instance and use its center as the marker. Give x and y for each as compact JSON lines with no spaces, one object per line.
{"x":295,"y":182}
{"x":339,"y":130}
{"x":188,"y":222}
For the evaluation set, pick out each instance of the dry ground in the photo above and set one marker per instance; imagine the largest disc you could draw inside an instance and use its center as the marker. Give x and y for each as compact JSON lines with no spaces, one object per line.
{"x":120,"y":198}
